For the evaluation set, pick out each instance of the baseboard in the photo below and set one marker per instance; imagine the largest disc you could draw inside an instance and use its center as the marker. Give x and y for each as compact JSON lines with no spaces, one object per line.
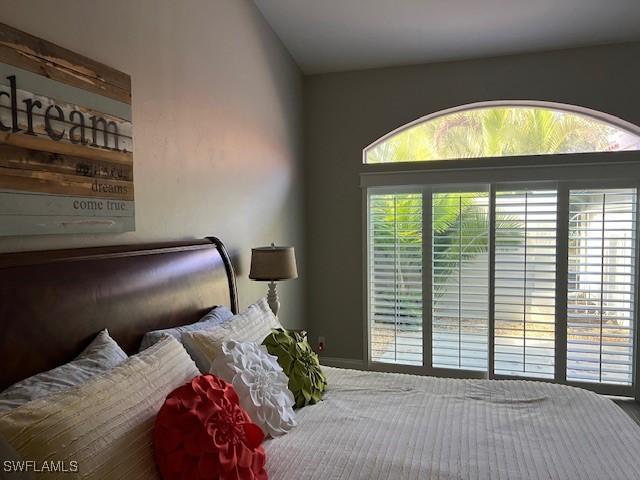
{"x":353,"y":363}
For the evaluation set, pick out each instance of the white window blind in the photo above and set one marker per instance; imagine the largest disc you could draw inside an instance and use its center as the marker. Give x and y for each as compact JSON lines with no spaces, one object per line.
{"x":460,"y":272}
{"x":525,"y":256}
{"x":601,"y":285}
{"x":395,"y":282}
{"x":514,"y":303}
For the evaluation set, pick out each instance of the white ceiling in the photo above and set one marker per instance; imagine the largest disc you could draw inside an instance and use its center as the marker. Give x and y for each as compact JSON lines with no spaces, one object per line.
{"x":335,"y":35}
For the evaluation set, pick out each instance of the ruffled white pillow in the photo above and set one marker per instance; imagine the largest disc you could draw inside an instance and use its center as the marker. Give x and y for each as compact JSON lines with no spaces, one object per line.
{"x":260,"y":383}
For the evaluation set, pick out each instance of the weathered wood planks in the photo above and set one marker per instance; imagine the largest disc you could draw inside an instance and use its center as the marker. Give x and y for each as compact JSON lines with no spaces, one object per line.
{"x":69,"y":123}
{"x":30,"y":53}
{"x":66,"y":141}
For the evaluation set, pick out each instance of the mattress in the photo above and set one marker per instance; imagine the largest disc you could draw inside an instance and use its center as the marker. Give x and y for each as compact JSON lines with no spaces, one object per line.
{"x":390,"y":426}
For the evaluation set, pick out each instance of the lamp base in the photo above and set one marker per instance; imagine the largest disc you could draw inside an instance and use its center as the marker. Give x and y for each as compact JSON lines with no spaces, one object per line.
{"x":272,"y":298}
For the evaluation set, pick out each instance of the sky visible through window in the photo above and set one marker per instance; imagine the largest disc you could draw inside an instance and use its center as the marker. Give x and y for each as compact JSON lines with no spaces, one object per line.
{"x":502,"y":131}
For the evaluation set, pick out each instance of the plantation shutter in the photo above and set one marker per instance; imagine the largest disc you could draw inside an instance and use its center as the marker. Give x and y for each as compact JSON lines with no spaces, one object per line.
{"x":395,"y":277}
{"x":460,"y":273}
{"x":524,"y":291}
{"x":601,"y":285}
{"x":513,"y":304}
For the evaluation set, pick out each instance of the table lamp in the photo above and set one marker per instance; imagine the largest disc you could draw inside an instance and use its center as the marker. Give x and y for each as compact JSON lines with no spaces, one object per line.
{"x":273,"y":264}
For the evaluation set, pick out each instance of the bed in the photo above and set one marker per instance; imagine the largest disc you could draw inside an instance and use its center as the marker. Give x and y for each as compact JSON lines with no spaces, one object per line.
{"x":374,"y":426}
{"x":370,"y":425}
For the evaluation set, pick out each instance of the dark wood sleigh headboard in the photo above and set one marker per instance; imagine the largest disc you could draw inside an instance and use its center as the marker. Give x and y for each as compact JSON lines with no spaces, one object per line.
{"x":52,"y":303}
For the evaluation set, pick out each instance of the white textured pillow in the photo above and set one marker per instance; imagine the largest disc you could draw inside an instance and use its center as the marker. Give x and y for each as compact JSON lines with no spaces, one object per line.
{"x":102,"y":354}
{"x":260,"y":383}
{"x":252,"y":325}
{"x":216,"y":316}
{"x":105,"y":424}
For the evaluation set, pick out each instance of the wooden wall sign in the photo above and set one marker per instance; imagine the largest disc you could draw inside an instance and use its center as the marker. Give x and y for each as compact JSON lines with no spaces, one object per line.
{"x":66,"y":141}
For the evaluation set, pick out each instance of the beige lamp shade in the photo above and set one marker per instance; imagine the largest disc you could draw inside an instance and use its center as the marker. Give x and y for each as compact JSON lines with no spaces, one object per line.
{"x":273,"y":263}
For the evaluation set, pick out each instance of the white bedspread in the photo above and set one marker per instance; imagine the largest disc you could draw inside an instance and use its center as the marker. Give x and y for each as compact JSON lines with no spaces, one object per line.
{"x":390,"y":426}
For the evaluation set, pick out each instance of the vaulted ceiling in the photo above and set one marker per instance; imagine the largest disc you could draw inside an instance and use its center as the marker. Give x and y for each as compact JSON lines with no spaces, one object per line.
{"x":336,"y":35}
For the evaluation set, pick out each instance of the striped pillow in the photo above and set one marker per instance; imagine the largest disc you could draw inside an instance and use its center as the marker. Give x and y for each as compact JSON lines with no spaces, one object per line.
{"x":102,"y":354}
{"x":252,"y":325}
{"x":104,"y":426}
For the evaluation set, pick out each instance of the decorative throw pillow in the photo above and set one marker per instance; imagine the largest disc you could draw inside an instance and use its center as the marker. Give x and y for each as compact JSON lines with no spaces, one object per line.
{"x":105,"y":426}
{"x":260,"y":384}
{"x":300,"y":364}
{"x":102,"y":354}
{"x":202,"y":432}
{"x":217,"y":316}
{"x":252,"y":325}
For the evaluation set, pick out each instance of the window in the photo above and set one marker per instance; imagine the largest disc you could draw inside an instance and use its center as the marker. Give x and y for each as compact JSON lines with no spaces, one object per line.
{"x":525,"y":270}
{"x":522,"y":272}
{"x":460,"y":286}
{"x":601,"y":285}
{"x":503,"y":130}
{"x":395,"y":223}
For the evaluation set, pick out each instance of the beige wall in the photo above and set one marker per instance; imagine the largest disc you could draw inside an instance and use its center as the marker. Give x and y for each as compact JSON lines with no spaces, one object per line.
{"x":217,"y":115}
{"x":345,"y":112}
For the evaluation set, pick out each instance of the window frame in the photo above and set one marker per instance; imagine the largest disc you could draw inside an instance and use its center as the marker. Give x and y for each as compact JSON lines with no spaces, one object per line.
{"x":597,"y":170}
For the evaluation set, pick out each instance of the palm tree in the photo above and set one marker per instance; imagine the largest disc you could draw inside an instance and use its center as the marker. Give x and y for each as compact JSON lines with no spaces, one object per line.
{"x":488,"y":132}
{"x":397,"y":236}
{"x":495,"y":132}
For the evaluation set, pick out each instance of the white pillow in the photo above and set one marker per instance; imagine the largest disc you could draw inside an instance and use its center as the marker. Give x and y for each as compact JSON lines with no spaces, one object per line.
{"x":102,"y":354}
{"x":260,"y":383}
{"x":217,"y":316}
{"x":105,"y":426}
{"x":252,"y":325}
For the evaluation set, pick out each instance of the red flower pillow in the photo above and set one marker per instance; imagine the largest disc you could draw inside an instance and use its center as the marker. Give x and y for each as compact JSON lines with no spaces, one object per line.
{"x":202,"y":432}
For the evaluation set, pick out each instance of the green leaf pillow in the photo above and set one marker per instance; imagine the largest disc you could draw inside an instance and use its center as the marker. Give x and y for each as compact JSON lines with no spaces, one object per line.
{"x":300,"y":364}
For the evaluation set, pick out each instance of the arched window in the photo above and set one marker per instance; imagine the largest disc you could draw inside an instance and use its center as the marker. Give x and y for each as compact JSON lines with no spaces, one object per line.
{"x":499,"y":129}
{"x":505,"y":268}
